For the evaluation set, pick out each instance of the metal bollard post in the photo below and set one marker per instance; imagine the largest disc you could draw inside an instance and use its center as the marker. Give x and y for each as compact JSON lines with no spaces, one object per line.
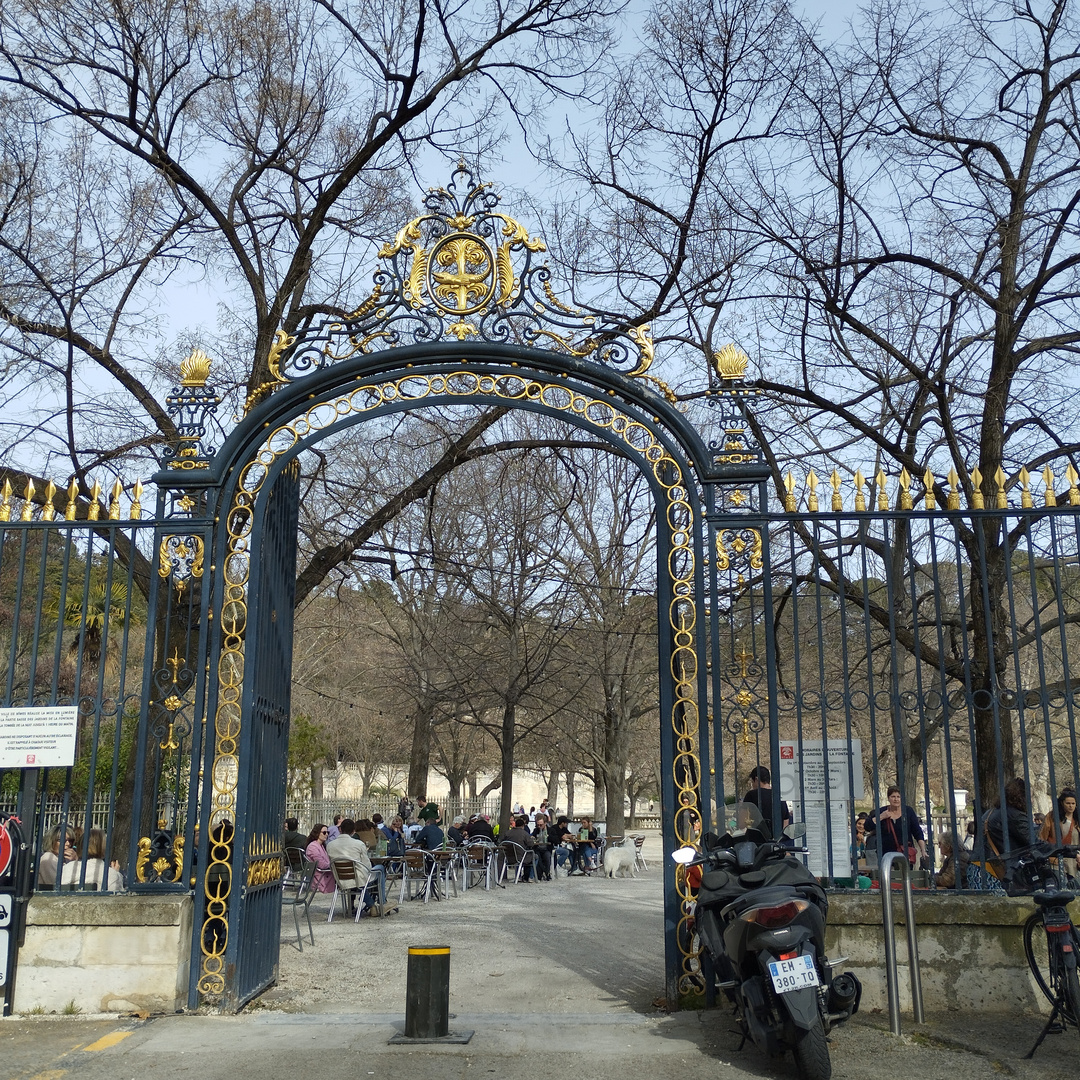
{"x":427,"y":999}
{"x":427,"y":994}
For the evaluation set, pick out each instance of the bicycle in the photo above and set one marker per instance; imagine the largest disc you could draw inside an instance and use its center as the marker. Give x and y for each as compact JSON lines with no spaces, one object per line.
{"x":1055,"y":968}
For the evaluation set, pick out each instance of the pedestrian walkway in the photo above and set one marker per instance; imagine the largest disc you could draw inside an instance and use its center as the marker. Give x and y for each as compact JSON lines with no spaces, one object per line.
{"x":556,"y":977}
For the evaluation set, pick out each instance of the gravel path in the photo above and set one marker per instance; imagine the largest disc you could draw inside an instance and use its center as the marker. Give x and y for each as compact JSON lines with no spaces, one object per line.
{"x":580,"y":944}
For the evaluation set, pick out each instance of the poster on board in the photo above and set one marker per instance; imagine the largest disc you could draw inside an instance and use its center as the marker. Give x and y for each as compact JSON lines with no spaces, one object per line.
{"x":38,"y":737}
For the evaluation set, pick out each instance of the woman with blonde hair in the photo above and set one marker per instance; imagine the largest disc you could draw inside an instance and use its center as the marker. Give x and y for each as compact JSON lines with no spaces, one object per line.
{"x":95,"y":867}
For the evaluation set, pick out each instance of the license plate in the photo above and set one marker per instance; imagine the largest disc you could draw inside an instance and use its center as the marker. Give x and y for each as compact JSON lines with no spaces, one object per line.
{"x":794,"y":974}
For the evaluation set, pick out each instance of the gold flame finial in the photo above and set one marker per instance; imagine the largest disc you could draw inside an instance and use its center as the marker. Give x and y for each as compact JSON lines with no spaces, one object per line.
{"x":928,"y":484}
{"x":789,"y":498}
{"x":1074,"y":492}
{"x":195,"y":369}
{"x":5,"y":501}
{"x":812,"y":483}
{"x":136,"y":500}
{"x":860,"y":497}
{"x":730,"y":363}
{"x":72,"y":500}
{"x":882,"y":494}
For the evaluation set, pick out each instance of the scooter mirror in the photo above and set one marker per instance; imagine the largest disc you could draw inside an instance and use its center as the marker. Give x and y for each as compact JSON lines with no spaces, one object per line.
{"x":685,"y":855}
{"x":795,"y":831}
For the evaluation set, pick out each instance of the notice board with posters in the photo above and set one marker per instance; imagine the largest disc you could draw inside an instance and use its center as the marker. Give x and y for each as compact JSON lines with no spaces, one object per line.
{"x":813,"y":778}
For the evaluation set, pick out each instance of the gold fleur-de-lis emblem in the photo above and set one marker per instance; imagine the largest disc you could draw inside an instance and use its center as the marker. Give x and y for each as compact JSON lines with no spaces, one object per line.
{"x":462,"y":274}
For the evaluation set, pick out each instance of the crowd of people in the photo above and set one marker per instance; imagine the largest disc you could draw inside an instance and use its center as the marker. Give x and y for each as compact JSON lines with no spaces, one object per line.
{"x":544,"y":839}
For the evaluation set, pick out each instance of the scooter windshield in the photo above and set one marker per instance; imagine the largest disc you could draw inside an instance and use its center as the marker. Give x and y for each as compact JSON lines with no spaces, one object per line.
{"x":746,"y":823}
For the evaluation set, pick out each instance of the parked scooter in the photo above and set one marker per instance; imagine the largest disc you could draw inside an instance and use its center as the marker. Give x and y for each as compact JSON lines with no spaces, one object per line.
{"x":760,"y":915}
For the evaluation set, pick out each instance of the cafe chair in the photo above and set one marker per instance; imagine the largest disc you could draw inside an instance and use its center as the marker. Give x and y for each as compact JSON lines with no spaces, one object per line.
{"x":294,"y":863}
{"x":639,"y":859}
{"x":512,"y":855}
{"x":415,"y":874}
{"x":348,"y":887}
{"x":479,"y":861}
{"x":298,"y":893}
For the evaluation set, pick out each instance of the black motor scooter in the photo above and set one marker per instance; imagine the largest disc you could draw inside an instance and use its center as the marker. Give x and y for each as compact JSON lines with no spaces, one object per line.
{"x":760,"y":915}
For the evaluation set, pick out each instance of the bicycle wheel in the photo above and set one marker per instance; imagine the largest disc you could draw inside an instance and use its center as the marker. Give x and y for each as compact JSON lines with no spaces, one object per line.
{"x":1050,"y":971}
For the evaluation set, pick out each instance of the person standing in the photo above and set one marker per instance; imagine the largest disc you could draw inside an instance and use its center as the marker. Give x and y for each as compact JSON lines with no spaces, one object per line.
{"x":889,"y":824}
{"x":761,"y":795}
{"x":1065,"y":829}
{"x":429,"y":811}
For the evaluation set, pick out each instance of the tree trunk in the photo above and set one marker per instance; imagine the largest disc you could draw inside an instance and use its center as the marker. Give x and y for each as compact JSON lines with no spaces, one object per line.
{"x":509,"y":725}
{"x":316,"y":781}
{"x":570,"y":794}
{"x":553,"y":788}
{"x":615,"y":792}
{"x":420,"y":753}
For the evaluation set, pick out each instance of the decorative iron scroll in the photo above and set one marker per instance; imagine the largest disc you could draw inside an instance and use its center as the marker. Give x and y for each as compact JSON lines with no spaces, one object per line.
{"x":181,"y":560}
{"x":192,"y":404}
{"x":463,"y":269}
{"x":160,"y":857}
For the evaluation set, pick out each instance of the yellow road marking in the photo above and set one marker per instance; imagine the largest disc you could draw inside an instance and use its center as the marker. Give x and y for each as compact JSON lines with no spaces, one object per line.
{"x":108,"y":1040}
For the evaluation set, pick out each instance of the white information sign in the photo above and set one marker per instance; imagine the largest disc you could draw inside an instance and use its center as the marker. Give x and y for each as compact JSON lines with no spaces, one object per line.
{"x":6,"y":905}
{"x":3,"y":956}
{"x":38,"y":738}
{"x":804,"y":761}
{"x":817,"y":837}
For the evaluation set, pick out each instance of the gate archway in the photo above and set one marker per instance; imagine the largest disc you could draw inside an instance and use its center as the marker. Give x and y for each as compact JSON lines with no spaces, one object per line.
{"x":460,"y":313}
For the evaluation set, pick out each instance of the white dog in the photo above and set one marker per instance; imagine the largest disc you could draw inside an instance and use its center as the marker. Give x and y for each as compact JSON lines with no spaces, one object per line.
{"x":618,"y":859}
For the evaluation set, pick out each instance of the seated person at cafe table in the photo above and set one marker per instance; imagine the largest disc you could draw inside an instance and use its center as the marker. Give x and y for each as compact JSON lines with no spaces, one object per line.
{"x":542,"y":848}
{"x":519,"y":835}
{"x":480,"y":829}
{"x":455,"y":834}
{"x":584,"y":841}
{"x":48,"y":862}
{"x":559,"y":835}
{"x":347,"y":846}
{"x":430,"y":837}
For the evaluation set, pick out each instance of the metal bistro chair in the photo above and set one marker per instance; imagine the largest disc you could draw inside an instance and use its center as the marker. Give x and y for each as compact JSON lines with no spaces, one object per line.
{"x":639,"y":859}
{"x":298,"y":892}
{"x":348,"y":887}
{"x":478,"y":863}
{"x":511,"y":854}
{"x":294,"y":863}
{"x":416,"y":873}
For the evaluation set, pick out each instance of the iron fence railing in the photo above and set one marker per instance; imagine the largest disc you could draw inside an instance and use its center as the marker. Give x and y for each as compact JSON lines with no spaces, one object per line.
{"x":935,"y":650}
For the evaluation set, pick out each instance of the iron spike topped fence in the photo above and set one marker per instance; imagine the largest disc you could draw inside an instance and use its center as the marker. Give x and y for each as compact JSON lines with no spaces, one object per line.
{"x":15,"y":507}
{"x":905,"y":500}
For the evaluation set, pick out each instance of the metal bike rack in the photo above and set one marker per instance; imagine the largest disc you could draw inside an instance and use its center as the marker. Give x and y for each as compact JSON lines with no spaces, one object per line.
{"x":891,"y":979}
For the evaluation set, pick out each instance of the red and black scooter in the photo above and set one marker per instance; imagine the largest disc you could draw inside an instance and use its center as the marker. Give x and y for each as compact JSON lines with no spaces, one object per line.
{"x":761,"y":915}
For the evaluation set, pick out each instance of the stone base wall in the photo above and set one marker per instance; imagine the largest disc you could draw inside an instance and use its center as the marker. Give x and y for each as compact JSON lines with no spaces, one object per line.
{"x":105,"y":954}
{"x":971,"y":950}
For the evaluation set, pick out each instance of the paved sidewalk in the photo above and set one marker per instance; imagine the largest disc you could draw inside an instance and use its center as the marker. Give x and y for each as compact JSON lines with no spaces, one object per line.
{"x":555,"y":979}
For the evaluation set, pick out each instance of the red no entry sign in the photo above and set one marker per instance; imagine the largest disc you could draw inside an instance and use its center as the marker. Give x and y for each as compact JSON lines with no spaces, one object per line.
{"x":7,"y":850}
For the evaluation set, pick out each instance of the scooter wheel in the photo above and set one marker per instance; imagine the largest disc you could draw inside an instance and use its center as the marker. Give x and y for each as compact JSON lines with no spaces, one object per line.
{"x":811,"y":1052}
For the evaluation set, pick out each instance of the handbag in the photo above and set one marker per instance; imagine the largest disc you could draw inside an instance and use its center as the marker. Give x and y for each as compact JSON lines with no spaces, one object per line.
{"x":912,"y":851}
